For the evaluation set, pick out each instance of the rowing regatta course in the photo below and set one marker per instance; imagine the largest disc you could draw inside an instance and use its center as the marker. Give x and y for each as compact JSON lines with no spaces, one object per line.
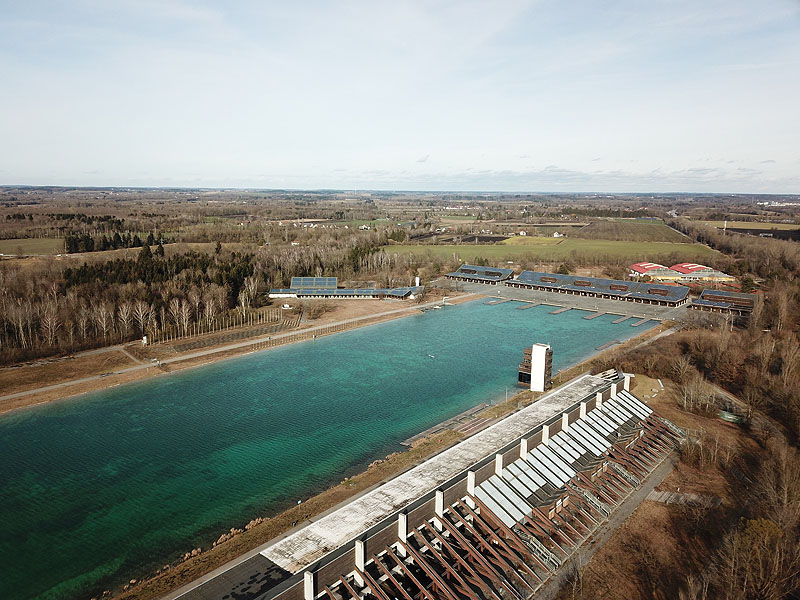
{"x":111,"y":485}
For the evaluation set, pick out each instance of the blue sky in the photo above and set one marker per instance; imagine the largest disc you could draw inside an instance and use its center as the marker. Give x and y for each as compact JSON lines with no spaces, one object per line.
{"x":441,"y":95}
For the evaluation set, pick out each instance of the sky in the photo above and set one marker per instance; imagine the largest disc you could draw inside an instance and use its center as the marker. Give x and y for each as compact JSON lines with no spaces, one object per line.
{"x":517,"y":95}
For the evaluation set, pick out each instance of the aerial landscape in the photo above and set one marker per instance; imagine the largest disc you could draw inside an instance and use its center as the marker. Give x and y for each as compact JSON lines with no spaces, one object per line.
{"x":400,"y":301}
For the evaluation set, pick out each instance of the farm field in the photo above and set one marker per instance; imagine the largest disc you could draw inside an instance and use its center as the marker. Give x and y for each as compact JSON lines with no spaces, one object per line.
{"x":32,"y":246}
{"x":753,"y":225}
{"x":630,"y":230}
{"x":564,"y":249}
{"x":530,"y":240}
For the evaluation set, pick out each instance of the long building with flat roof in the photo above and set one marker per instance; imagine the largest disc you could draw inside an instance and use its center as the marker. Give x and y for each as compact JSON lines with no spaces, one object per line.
{"x":723,"y":301}
{"x":321,"y":288}
{"x":494,"y":516}
{"x":613,"y":289}
{"x":478,"y":274}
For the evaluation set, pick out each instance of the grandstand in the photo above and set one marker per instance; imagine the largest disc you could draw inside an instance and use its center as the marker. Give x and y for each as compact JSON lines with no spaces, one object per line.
{"x":495,"y":516}
{"x":477,"y":274}
{"x":722,"y":301}
{"x":313,"y":288}
{"x":612,"y":289}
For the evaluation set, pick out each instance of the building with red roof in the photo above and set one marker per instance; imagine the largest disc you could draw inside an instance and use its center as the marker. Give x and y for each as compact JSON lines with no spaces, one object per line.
{"x":693,"y":272}
{"x":654,"y":271}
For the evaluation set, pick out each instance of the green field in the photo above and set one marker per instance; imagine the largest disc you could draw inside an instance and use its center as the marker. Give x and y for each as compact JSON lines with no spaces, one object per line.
{"x":630,"y":230}
{"x":529,"y":240}
{"x":753,"y":225}
{"x":32,"y":246}
{"x":563,"y":249}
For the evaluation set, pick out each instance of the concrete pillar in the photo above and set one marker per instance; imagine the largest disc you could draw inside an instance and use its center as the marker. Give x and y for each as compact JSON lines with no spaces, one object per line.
{"x":582,"y":414}
{"x":627,"y":384}
{"x":498,"y":465}
{"x":439,"y":510}
{"x":523,"y":448}
{"x":402,"y":532}
{"x":359,"y":554}
{"x":308,"y":586}
{"x":545,"y":434}
{"x":564,"y":421}
{"x":599,"y":399}
{"x":470,"y":487}
{"x":613,"y":389}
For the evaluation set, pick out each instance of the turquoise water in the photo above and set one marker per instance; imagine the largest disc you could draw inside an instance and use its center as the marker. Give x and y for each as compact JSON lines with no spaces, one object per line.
{"x":102,"y":488}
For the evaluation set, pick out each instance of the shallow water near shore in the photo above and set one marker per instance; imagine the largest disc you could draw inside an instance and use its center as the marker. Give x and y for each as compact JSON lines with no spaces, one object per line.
{"x":107,"y":486}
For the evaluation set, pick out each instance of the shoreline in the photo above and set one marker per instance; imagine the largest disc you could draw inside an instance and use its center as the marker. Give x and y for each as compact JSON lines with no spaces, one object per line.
{"x":423,"y":447}
{"x":24,"y":399}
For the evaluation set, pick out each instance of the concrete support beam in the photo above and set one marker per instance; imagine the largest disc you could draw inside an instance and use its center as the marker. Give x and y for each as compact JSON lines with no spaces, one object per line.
{"x":613,"y":389}
{"x":523,"y":448}
{"x":498,"y":465}
{"x":599,"y":399}
{"x":359,"y":552}
{"x":402,"y":532}
{"x":564,"y":421}
{"x":545,"y":434}
{"x":470,"y":487}
{"x":438,"y":510}
{"x":627,"y":385}
{"x":308,"y":586}
{"x":583,"y":410}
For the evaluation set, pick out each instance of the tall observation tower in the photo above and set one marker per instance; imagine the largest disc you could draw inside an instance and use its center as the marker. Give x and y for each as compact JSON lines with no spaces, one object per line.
{"x":536,"y":369}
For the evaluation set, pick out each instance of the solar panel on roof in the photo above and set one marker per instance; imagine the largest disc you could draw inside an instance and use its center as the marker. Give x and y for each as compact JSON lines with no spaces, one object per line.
{"x":315,"y":282}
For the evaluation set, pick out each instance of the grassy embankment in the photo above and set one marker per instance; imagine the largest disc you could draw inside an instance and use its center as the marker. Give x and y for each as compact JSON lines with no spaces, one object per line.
{"x":32,"y":246}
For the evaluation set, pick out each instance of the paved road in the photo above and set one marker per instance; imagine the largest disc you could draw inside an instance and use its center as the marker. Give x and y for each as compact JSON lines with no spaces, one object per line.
{"x":209,"y":352}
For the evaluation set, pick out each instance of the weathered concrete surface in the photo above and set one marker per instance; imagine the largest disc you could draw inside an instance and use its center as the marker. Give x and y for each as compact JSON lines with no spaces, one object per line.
{"x":299,"y":550}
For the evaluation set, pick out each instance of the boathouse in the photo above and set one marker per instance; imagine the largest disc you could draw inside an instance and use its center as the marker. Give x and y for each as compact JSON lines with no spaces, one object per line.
{"x":319,"y":288}
{"x":478,"y":274}
{"x":722,"y":301}
{"x":612,"y":289}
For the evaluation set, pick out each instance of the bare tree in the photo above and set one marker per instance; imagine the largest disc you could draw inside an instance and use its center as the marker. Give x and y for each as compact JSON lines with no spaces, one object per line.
{"x":103,"y":318}
{"x":83,"y":319}
{"x":210,"y":311}
{"x":790,"y":358}
{"x":141,"y":314}
{"x":50,"y":324}
{"x":175,"y":312}
{"x":185,"y":312}
{"x":195,"y":297}
{"x":124,"y":316}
